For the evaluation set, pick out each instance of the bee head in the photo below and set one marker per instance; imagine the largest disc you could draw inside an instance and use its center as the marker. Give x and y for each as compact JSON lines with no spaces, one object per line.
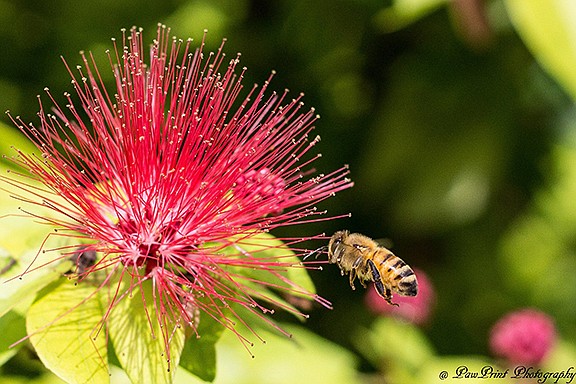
{"x":335,"y":244}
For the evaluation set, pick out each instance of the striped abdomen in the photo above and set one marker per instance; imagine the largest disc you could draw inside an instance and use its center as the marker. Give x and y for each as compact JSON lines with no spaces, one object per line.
{"x":394,"y":273}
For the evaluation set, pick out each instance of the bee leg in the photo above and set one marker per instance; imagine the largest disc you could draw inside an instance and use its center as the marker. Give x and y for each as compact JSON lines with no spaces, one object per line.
{"x":315,"y":252}
{"x":388,"y":298}
{"x":379,"y":286}
{"x":352,"y":277}
{"x":361,"y":271}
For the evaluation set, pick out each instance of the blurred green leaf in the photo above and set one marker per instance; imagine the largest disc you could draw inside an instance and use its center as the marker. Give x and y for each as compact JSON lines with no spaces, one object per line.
{"x":63,"y":326}
{"x":13,"y":326}
{"x":562,"y":356}
{"x":217,"y":16}
{"x":394,"y":345}
{"x":547,"y":28}
{"x":139,"y":340}
{"x":543,"y":240}
{"x":404,"y":12}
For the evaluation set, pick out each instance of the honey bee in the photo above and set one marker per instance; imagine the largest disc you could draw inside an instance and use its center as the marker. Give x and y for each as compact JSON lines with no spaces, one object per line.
{"x":362,"y":257}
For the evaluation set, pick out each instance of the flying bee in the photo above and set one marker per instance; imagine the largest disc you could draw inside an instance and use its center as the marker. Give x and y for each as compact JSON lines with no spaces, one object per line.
{"x":362,"y":257}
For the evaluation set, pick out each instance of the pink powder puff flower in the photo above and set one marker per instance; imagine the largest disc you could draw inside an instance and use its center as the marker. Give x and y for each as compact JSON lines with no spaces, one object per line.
{"x":416,"y":309}
{"x":523,"y":337}
{"x":173,"y":178}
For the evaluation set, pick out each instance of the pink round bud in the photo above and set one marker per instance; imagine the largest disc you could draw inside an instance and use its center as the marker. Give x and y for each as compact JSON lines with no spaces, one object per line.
{"x":523,"y":337}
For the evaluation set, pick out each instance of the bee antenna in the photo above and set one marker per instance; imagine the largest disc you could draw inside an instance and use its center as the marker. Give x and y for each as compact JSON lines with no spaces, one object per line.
{"x":316,"y":252}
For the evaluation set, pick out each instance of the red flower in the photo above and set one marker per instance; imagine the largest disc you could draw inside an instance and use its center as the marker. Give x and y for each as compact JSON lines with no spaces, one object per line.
{"x":523,"y":337}
{"x":172,"y":177}
{"x":416,"y":309}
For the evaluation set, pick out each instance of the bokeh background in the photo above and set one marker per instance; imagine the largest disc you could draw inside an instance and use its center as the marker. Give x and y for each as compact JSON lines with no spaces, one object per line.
{"x":457,"y":121}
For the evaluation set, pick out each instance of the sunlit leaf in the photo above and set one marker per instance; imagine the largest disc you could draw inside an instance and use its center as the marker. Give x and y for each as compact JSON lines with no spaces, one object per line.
{"x":12,"y":139}
{"x":139,"y":341}
{"x":283,"y":274}
{"x":63,"y":328}
{"x":19,"y":232}
{"x":118,"y":375}
{"x":47,"y":378}
{"x":270,"y":249}
{"x":18,"y":286}
{"x":547,"y":27}
{"x":303,"y":358}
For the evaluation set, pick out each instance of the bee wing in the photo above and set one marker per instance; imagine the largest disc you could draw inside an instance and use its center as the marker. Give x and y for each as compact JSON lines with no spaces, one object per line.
{"x":385,"y":242}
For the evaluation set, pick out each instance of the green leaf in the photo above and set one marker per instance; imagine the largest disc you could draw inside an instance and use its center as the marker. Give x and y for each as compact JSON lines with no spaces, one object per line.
{"x":271,"y":250}
{"x":11,"y":137}
{"x":406,"y":347}
{"x":18,"y":289}
{"x":562,"y":355}
{"x":547,"y":28}
{"x":13,"y":328}
{"x":304,"y":358}
{"x":21,"y":233}
{"x":548,"y":228}
{"x":63,"y":328}
{"x":281,"y":270}
{"x":46,"y":378}
{"x":138,"y":338}
{"x":18,"y":234}
{"x":199,"y":353}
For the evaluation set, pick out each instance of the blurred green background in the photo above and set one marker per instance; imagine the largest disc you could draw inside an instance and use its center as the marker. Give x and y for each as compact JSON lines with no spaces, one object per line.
{"x":456,"y":119}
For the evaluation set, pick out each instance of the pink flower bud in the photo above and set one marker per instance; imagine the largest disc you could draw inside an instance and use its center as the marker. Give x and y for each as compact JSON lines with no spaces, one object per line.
{"x":523,"y":337}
